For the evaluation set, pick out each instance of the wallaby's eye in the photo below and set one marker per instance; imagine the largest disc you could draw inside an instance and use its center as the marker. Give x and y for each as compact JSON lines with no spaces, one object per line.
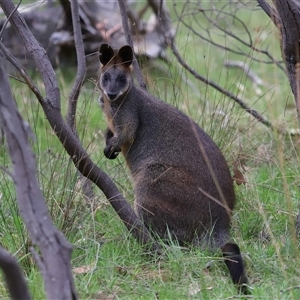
{"x":105,"y":78}
{"x":122,"y":79}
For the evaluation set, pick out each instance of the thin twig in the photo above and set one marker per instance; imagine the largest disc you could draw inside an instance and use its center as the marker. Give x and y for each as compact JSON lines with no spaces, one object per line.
{"x":245,"y":68}
{"x":209,"y":39}
{"x":13,"y":276}
{"x":136,"y":67}
{"x":7,"y":20}
{"x":81,"y":66}
{"x":23,"y":73}
{"x":38,"y":53}
{"x":57,"y":272}
{"x":163,"y":18}
{"x":296,"y":287}
{"x":71,"y":144}
{"x":251,"y":111}
{"x":5,"y":170}
{"x":75,"y":91}
{"x":270,"y":11}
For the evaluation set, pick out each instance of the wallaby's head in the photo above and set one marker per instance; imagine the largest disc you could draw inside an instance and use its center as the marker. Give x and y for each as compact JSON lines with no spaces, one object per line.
{"x":115,"y":76}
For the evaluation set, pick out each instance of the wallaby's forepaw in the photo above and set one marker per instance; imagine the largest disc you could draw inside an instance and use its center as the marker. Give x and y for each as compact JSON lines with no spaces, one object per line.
{"x":110,"y":152}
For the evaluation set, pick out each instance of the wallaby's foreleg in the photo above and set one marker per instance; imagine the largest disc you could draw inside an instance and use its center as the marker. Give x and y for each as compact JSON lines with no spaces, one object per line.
{"x":235,"y":265}
{"x":110,"y":151}
{"x":121,"y":136}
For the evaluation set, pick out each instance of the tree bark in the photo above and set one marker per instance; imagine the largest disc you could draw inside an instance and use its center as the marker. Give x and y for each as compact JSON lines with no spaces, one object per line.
{"x":51,"y":107}
{"x":136,"y":68}
{"x":13,"y":275}
{"x":286,"y":16}
{"x":55,"y":250}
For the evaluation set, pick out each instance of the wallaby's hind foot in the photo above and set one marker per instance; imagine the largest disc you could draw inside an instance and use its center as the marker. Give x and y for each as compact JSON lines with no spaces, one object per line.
{"x":110,"y":154}
{"x":235,"y":265}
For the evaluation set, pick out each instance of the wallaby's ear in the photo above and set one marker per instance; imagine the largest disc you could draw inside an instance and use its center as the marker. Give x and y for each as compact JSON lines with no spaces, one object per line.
{"x":126,"y":55}
{"x":106,"y":53}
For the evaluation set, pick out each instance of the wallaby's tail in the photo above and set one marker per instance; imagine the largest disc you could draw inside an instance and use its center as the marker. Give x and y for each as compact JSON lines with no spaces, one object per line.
{"x":235,"y":265}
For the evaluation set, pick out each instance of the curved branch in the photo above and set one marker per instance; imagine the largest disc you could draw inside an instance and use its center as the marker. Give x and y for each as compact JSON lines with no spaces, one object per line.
{"x":290,"y":43}
{"x":70,"y":142}
{"x":38,"y":53}
{"x":286,"y":17}
{"x":270,"y":11}
{"x":223,"y":29}
{"x":251,"y":111}
{"x":163,"y":17}
{"x":14,"y":277}
{"x":75,"y":91}
{"x":67,"y":11}
{"x":55,"y":249}
{"x":7,"y":20}
{"x":81,"y":66}
{"x":136,"y":67}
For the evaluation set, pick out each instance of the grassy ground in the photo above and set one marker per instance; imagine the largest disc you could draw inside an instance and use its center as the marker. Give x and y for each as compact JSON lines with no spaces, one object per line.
{"x":108,"y":263}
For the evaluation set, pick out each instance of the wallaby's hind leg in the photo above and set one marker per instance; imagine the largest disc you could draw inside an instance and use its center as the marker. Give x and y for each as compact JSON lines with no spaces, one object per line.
{"x":235,"y":265}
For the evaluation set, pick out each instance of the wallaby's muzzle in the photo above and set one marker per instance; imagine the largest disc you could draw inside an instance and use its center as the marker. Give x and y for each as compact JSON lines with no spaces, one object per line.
{"x":112,"y":95}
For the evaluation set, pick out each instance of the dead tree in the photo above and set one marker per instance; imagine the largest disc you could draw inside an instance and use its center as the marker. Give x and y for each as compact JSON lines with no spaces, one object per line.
{"x":51,"y":106}
{"x":13,"y":275}
{"x":218,"y":25}
{"x":55,"y":250}
{"x":50,"y":99}
{"x":54,"y":263}
{"x":285,"y":15}
{"x":100,"y":22}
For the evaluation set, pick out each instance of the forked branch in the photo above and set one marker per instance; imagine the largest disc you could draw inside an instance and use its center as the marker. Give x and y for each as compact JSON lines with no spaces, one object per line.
{"x":286,"y":16}
{"x":13,"y":275}
{"x":55,"y":250}
{"x":136,"y":68}
{"x":205,"y":80}
{"x":51,"y":106}
{"x":81,"y":66}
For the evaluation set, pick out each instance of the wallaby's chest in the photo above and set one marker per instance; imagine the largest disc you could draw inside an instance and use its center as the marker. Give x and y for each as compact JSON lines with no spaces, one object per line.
{"x":110,"y":114}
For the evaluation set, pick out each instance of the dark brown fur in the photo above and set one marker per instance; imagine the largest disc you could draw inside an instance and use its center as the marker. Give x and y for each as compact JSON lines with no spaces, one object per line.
{"x":182,"y":184}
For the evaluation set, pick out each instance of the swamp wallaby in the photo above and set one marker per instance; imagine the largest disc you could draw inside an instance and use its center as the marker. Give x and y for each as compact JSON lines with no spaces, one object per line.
{"x":182,"y":184}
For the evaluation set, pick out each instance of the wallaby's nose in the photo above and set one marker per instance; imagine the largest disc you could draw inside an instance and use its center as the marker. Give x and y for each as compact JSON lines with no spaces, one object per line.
{"x":112,"y":95}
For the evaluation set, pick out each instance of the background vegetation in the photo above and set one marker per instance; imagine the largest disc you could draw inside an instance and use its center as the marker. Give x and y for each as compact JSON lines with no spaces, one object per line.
{"x":107,"y":261}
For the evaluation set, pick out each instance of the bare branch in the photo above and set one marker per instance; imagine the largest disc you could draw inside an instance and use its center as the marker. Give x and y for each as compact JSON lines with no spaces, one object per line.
{"x":81,"y":66}
{"x":136,"y":67}
{"x":286,"y":17}
{"x":246,"y":69}
{"x":163,"y":17}
{"x":7,"y":20}
{"x":213,"y":21}
{"x":55,"y":249}
{"x":70,"y":142}
{"x":14,"y":277}
{"x":67,"y":11}
{"x":74,"y":94}
{"x":22,"y":72}
{"x":38,"y":53}
{"x":270,"y":11}
{"x":290,"y":43}
{"x":251,"y":111}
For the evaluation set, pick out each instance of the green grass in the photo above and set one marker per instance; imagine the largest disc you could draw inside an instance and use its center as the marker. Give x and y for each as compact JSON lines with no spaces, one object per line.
{"x":107,"y":261}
